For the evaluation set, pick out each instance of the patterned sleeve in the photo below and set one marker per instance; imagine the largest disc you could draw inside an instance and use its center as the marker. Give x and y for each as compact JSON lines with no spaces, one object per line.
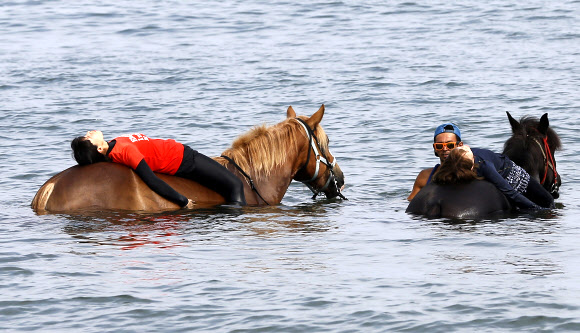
{"x":490,"y":174}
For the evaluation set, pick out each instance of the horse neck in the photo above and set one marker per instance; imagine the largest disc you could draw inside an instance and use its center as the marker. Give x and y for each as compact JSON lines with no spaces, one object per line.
{"x":272,"y":182}
{"x":272,"y":187}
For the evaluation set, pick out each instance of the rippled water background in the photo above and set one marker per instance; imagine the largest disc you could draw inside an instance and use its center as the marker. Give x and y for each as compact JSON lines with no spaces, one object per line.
{"x":204,"y":73}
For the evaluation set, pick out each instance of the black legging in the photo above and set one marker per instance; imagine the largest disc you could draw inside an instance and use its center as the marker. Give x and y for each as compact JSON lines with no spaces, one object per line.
{"x":538,"y":194}
{"x":211,"y":174}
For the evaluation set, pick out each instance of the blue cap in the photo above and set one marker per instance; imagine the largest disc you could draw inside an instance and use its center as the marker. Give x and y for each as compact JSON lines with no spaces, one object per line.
{"x":447,"y":128}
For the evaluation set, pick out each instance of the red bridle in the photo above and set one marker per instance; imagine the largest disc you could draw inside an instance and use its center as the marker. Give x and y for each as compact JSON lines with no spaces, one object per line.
{"x":548,"y":159}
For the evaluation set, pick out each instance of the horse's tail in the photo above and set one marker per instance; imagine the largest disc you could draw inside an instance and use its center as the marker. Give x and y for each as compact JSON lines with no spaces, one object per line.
{"x":41,"y":198}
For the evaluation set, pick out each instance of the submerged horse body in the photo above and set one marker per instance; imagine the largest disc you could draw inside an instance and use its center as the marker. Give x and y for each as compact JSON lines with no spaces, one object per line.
{"x":461,"y":201}
{"x":296,"y":148}
{"x":531,"y":146}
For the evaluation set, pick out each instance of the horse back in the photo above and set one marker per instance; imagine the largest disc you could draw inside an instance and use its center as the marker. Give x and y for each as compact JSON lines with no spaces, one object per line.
{"x":112,"y":186}
{"x":476,"y":199}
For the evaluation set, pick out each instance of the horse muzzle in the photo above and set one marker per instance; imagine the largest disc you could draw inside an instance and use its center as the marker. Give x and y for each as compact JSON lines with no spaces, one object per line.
{"x":336,"y":184}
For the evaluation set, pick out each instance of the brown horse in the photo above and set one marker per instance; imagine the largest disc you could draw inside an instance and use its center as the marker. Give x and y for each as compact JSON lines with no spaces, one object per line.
{"x":271,"y":157}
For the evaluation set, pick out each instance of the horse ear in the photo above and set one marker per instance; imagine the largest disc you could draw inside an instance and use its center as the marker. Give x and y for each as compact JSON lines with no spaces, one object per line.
{"x":514,"y":123}
{"x":290,"y":113}
{"x":544,"y":124}
{"x":316,"y":117}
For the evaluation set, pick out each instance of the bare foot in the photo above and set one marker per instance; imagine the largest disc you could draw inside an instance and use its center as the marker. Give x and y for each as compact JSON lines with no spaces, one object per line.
{"x":190,"y":204}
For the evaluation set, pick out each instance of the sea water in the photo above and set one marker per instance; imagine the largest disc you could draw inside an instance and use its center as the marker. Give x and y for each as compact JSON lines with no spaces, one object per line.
{"x":204,"y":72}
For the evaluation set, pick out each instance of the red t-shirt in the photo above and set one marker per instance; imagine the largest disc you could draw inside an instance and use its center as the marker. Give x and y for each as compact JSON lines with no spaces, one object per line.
{"x":163,"y":156}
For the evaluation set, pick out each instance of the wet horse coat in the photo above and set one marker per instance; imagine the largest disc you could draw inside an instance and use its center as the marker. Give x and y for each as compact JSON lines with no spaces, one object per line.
{"x":472,"y":200}
{"x":272,"y":156}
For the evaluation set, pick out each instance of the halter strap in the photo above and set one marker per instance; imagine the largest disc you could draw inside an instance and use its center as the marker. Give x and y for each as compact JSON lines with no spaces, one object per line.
{"x":320,"y":158}
{"x":254,"y":188}
{"x":548,"y":159}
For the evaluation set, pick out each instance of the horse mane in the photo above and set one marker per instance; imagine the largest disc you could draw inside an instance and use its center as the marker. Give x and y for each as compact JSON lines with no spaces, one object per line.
{"x":264,"y":148}
{"x":517,"y":146}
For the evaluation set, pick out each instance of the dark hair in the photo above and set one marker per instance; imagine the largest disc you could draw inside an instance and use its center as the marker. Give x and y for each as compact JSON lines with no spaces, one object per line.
{"x":85,"y":152}
{"x":455,"y":169}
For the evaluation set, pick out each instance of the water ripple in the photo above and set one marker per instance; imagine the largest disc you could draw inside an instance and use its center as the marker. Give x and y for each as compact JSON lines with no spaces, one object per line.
{"x":387,"y":73}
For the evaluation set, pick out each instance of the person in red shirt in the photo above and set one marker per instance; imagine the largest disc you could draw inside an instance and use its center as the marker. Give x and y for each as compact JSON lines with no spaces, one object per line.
{"x":146,"y":155}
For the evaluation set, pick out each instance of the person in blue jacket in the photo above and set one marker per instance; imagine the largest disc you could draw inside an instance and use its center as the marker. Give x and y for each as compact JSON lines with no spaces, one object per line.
{"x":465,"y":164}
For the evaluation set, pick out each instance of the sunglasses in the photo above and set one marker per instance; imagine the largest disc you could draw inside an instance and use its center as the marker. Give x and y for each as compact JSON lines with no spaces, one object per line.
{"x":450,"y":145}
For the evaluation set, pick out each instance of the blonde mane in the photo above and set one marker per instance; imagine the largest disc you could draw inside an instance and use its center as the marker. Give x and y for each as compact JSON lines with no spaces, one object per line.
{"x":263,"y":148}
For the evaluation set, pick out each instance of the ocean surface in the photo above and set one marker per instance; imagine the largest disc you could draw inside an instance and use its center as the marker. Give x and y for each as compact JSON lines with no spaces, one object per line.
{"x":204,"y":72}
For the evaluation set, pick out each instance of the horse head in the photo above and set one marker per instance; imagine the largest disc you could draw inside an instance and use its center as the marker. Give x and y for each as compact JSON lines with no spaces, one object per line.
{"x":532,"y":146}
{"x":316,"y":167}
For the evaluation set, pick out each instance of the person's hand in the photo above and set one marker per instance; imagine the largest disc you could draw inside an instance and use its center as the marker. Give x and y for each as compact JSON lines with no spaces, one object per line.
{"x":190,"y":204}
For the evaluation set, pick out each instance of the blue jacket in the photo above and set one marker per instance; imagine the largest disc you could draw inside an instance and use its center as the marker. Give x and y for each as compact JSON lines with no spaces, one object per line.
{"x":495,"y":168}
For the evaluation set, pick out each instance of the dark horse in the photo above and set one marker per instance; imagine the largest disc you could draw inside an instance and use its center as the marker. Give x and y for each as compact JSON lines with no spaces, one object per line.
{"x":531,"y":146}
{"x":267,"y":159}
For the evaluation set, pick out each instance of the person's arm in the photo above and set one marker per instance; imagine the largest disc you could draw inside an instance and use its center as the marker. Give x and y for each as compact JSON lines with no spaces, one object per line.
{"x":420,"y":182}
{"x":491,"y":175}
{"x":159,"y":186}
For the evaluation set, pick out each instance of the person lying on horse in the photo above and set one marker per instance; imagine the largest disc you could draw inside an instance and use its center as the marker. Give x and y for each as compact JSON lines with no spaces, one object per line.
{"x":465,"y":164}
{"x":147,"y":155}
{"x":447,"y":136}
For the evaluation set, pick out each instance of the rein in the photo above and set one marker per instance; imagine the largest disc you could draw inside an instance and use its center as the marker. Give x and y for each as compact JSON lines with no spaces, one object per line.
{"x":320,"y":158}
{"x":247,"y":177}
{"x":549,"y":160}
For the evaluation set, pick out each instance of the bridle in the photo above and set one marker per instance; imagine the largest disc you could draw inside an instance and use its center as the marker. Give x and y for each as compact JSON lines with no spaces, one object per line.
{"x":549,"y":163}
{"x":320,"y":157}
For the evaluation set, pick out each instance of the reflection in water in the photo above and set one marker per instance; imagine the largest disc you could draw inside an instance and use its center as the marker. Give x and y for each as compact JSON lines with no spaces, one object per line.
{"x":533,"y":266}
{"x":269,"y":221}
{"x":550,"y":214}
{"x":130,"y":230}
{"x":127,"y":230}
{"x":504,"y":264}
{"x":484,"y":247}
